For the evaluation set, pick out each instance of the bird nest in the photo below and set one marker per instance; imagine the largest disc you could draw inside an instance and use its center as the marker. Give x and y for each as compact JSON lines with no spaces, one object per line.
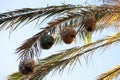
{"x":67,"y":35}
{"x":46,"y":41}
{"x":26,"y":67}
{"x":90,"y":23}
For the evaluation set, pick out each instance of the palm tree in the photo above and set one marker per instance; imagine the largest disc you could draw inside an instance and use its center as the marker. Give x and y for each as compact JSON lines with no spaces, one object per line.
{"x":84,"y":20}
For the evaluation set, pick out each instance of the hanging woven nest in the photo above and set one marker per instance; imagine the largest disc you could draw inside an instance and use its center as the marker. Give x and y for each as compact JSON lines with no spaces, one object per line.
{"x":90,"y":23}
{"x":26,"y":67}
{"x":67,"y":35}
{"x":46,"y":41}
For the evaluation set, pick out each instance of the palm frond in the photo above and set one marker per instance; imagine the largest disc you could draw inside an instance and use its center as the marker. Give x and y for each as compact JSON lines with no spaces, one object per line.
{"x":31,"y":47}
{"x":110,"y":20}
{"x":103,"y":14}
{"x":11,"y":20}
{"x":14,"y":18}
{"x":67,"y":57}
{"x":111,"y":74}
{"x":15,"y":76}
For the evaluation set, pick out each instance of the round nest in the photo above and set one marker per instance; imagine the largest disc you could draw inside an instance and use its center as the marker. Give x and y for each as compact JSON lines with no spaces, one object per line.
{"x":26,"y":67}
{"x":46,"y":41}
{"x":67,"y":35}
{"x":90,"y":23}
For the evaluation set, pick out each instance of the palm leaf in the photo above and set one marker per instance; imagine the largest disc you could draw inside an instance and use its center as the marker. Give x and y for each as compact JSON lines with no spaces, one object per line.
{"x":59,"y":61}
{"x":69,"y":15}
{"x":111,"y":74}
{"x":15,"y":76}
{"x":72,"y":19}
{"x":14,"y":18}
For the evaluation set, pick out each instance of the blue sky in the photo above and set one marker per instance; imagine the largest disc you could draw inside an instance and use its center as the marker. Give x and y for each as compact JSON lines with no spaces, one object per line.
{"x":8,"y":60}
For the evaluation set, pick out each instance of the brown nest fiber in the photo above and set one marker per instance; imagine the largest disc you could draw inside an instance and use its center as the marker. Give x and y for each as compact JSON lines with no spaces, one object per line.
{"x":26,"y":67}
{"x":46,"y":41}
{"x":67,"y":35}
{"x":90,"y":23}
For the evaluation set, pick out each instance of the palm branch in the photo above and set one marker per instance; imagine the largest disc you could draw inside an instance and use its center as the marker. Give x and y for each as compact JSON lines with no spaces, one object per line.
{"x":64,"y":15}
{"x":59,"y":61}
{"x":111,"y":74}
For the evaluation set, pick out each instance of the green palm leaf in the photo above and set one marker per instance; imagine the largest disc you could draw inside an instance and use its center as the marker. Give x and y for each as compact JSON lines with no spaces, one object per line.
{"x":15,"y":76}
